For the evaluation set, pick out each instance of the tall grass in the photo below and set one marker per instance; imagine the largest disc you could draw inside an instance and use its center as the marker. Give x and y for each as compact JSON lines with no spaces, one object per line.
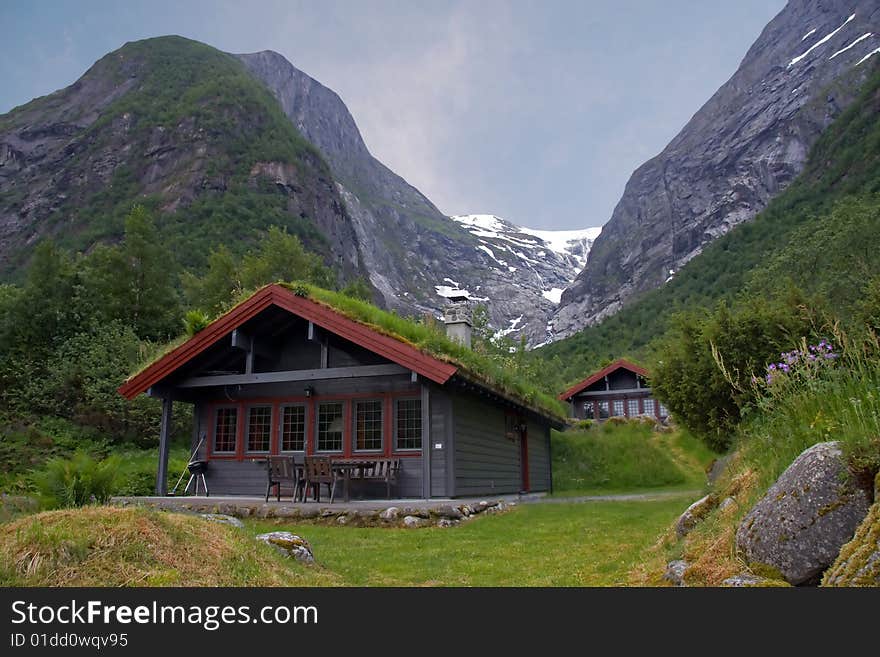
{"x":840,"y":402}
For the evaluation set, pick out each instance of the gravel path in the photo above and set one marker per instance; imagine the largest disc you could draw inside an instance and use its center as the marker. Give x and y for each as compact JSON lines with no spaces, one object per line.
{"x":623,"y":497}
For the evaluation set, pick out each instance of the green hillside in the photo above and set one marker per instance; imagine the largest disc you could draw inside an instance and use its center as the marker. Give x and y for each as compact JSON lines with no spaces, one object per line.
{"x":820,"y":235}
{"x":183,"y":130}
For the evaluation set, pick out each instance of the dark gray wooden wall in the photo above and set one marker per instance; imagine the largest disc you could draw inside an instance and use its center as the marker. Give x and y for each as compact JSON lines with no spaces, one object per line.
{"x":441,"y":434}
{"x":486,"y":463}
{"x":539,"y":456}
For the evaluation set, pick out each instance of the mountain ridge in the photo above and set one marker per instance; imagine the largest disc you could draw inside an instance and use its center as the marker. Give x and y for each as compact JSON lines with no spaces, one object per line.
{"x":738,"y":151}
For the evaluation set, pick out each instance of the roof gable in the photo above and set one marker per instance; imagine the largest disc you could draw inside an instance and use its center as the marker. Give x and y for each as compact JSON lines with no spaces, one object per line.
{"x":330,"y":320}
{"x":621,"y":363}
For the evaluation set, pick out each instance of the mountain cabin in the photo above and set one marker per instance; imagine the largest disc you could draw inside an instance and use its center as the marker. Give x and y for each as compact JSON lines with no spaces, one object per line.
{"x":284,"y":373}
{"x":619,"y":390}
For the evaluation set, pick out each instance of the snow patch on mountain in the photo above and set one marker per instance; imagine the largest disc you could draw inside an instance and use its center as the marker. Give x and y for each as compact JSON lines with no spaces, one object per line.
{"x":539,"y":264}
{"x":531,"y":244}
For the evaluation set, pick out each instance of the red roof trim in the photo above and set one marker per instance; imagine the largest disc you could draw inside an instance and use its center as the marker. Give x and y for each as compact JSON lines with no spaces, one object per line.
{"x":605,"y":371}
{"x":393,"y":349}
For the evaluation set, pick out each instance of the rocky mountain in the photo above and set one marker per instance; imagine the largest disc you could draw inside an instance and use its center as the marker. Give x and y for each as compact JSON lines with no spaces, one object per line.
{"x":176,"y":125}
{"x":223,"y":146}
{"x":411,"y":251}
{"x":742,"y":148}
{"x":540,"y":262}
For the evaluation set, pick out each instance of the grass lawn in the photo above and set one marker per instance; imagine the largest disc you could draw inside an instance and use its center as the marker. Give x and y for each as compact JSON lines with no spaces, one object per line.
{"x":592,"y":544}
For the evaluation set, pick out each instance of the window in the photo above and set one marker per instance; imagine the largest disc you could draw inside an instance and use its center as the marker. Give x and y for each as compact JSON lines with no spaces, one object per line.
{"x":632,"y":407}
{"x":618,"y":407}
{"x":330,"y":427}
{"x":293,"y":428}
{"x":603,"y":410}
{"x":649,"y":406}
{"x":588,"y":410}
{"x":368,"y":425}
{"x":225,"y":429}
{"x":663,"y":411}
{"x":259,"y":428}
{"x":409,"y":424}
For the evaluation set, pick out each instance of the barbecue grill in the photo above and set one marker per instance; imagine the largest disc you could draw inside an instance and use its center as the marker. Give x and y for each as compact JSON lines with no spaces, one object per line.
{"x":196,"y":472}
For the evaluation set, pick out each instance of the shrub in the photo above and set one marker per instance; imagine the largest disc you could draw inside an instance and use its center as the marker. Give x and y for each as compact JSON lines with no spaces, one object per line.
{"x":77,"y":481}
{"x":709,"y":361}
{"x":195,"y":321}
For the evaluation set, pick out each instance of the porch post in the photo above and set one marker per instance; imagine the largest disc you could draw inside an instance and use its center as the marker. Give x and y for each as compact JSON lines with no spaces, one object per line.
{"x":164,"y":444}
{"x":426,"y":442}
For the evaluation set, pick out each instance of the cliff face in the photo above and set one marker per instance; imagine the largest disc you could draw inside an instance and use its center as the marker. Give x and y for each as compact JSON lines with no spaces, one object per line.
{"x":742,"y":148}
{"x":411,"y":251}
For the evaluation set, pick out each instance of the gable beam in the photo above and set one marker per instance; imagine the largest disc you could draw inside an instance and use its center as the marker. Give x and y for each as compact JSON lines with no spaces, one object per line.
{"x":293,"y":375}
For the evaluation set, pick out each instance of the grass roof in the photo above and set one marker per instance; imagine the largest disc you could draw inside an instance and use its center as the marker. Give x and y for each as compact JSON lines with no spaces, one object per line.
{"x":430,"y":338}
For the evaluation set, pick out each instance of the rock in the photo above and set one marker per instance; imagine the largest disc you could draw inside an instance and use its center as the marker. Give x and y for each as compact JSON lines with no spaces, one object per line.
{"x":694,"y":514}
{"x":391,"y":513}
{"x":449,"y":512}
{"x":222,"y":519}
{"x":717,"y":468}
{"x":290,"y":545}
{"x":310,"y":512}
{"x":446,"y":522}
{"x":726,"y":503}
{"x":466,"y":510}
{"x":342,"y":520}
{"x":326,"y":513}
{"x":412,"y":521}
{"x":743,"y":580}
{"x":858,"y":563}
{"x":418,"y":513}
{"x":811,"y":511}
{"x":675,"y":572}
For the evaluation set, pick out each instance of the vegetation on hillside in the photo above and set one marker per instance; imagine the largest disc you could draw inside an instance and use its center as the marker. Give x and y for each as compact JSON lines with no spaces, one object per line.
{"x":833,"y":396}
{"x":195,"y":95}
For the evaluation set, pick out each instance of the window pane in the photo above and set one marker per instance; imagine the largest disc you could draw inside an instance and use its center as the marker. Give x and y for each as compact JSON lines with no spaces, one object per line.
{"x":633,"y":407}
{"x":603,"y":410}
{"x":368,"y":425}
{"x":588,"y":410}
{"x":224,"y":429}
{"x":618,"y":407}
{"x":649,"y":406}
{"x":663,"y":411}
{"x":293,"y":428}
{"x":259,"y":428}
{"x":409,"y":424}
{"x":330,"y":427}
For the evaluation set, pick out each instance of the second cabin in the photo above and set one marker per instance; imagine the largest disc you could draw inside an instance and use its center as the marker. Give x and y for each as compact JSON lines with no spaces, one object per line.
{"x":619,"y":390}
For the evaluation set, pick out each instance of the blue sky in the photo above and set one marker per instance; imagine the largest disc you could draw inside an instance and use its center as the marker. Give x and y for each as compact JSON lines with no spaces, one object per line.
{"x":534,"y":111}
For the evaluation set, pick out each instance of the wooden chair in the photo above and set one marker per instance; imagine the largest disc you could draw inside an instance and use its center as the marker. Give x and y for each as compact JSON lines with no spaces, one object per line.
{"x":319,"y":470}
{"x":281,"y":470}
{"x":384,"y":470}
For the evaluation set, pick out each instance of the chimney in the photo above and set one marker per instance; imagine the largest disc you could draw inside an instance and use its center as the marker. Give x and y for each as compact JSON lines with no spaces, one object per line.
{"x":457,"y":317}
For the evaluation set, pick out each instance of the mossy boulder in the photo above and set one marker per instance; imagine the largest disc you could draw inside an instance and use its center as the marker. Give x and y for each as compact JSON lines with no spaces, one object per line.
{"x":289,"y":545}
{"x":858,"y":563}
{"x":807,"y":515}
{"x":694,"y":514}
